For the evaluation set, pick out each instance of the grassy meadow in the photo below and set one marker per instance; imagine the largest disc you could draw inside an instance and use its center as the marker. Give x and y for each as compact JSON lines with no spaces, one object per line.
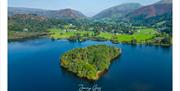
{"x":139,"y":35}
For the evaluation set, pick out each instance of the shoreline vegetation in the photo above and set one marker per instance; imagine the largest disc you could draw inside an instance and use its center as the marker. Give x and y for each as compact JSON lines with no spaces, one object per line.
{"x":88,"y":62}
{"x":20,"y":36}
{"x":144,"y":36}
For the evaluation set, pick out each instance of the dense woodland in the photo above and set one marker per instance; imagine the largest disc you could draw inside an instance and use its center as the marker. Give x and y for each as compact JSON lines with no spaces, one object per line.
{"x":35,"y":23}
{"x":89,"y":61}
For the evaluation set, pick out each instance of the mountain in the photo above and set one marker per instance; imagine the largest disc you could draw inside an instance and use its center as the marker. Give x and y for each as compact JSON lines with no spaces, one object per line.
{"x":66,"y":13}
{"x":58,"y":14}
{"x":164,"y":2}
{"x":151,"y":11}
{"x":158,"y":15}
{"x":151,"y":14}
{"x":117,"y":11}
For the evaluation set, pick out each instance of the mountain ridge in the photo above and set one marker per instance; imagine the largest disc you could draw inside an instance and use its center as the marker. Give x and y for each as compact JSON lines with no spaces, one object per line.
{"x":62,"y":13}
{"x":126,"y":10}
{"x":164,"y":2}
{"x":118,"y":10}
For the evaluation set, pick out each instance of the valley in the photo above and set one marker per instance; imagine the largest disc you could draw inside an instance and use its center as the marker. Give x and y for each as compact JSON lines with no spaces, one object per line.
{"x":130,"y":23}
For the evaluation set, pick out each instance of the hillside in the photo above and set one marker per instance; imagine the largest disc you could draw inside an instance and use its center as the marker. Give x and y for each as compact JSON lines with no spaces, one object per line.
{"x":117,"y":11}
{"x":58,"y":14}
{"x":19,"y":22}
{"x":164,"y":2}
{"x":151,"y":11}
{"x":153,"y":15}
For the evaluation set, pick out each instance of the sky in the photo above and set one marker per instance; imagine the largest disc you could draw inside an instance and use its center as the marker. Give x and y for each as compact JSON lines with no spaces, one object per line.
{"x":87,"y":7}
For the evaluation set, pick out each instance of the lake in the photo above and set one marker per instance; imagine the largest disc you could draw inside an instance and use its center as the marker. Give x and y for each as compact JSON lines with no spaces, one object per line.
{"x":34,"y":65}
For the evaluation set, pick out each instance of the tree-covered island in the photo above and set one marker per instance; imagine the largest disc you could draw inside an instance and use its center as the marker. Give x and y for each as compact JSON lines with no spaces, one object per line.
{"x":89,"y":62}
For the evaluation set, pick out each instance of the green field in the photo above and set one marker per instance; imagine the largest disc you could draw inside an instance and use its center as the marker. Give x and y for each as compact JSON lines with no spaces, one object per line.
{"x":144,"y":34}
{"x":105,"y":35}
{"x":62,"y":34}
{"x":139,"y":35}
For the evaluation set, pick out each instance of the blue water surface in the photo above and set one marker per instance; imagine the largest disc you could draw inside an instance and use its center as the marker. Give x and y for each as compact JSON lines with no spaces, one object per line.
{"x":34,"y":65}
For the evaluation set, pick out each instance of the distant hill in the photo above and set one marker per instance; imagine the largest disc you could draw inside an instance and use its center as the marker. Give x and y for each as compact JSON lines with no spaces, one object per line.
{"x":160,"y":11}
{"x":164,"y":2}
{"x":151,"y":11}
{"x":22,"y":17}
{"x":64,"y":13}
{"x":117,"y":11}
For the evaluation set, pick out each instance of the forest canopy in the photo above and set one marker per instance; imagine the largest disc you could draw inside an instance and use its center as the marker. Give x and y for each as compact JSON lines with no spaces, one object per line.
{"x":90,"y":61}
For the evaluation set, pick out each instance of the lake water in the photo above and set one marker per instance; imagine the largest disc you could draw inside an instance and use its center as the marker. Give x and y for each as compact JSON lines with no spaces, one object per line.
{"x":34,"y":66}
